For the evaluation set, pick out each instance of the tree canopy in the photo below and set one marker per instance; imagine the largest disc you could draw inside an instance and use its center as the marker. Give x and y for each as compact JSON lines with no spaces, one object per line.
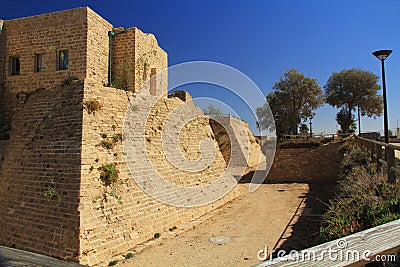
{"x":293,"y":98}
{"x":212,"y":110}
{"x":351,"y":89}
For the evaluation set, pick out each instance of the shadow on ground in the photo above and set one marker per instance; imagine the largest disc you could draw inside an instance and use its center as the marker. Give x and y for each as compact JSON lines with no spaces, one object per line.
{"x":303,"y":230}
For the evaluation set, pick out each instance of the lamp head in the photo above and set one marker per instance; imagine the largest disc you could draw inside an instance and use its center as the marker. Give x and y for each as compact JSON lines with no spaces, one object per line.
{"x":382,"y":54}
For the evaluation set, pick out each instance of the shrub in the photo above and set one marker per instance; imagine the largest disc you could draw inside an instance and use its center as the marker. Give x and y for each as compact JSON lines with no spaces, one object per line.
{"x":364,"y":200}
{"x":356,"y":157}
{"x":108,"y":174}
{"x":311,"y":143}
{"x":345,"y":148}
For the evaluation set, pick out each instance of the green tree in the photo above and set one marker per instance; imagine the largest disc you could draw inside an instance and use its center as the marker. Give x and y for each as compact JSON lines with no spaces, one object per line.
{"x":350,"y":90}
{"x":293,"y":99}
{"x":342,"y":118}
{"x":213,"y":111}
{"x":303,"y":128}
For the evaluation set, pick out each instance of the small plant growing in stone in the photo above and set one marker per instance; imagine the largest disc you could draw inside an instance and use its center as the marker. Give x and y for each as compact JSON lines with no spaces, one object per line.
{"x":107,"y":144}
{"x":113,"y":262}
{"x":117,"y":137}
{"x":148,"y":139}
{"x":92,"y":106}
{"x":157,"y":235}
{"x":103,"y":135}
{"x":173,"y":228}
{"x":108,"y":174}
{"x":97,"y":160}
{"x":51,"y":192}
{"x":91,"y":169}
{"x":115,"y":195}
{"x":129,"y":255}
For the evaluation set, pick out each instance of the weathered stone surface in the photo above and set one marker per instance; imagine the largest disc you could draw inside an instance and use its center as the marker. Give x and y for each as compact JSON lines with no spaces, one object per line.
{"x":54,"y":201}
{"x":306,"y":165}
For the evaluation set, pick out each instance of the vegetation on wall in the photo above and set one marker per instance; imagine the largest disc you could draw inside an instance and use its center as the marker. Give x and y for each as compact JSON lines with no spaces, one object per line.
{"x":51,"y":193}
{"x":92,"y":106}
{"x":108,"y":174}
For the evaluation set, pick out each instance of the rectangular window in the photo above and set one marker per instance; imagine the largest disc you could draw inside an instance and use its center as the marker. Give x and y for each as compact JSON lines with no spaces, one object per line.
{"x":14,"y":66}
{"x":39,"y":63}
{"x":62,"y":60}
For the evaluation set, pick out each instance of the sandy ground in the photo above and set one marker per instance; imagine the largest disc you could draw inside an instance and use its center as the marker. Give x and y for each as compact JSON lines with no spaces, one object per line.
{"x":251,"y":221}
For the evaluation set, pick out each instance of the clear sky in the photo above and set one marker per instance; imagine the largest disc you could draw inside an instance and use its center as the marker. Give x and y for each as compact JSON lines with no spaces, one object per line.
{"x":263,"y":39}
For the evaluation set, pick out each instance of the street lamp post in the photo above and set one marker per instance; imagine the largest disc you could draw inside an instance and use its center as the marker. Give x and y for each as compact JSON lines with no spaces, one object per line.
{"x":382,"y":55}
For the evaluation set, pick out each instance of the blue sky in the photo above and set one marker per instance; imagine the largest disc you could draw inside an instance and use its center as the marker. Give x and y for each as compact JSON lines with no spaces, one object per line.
{"x":262,"y":39}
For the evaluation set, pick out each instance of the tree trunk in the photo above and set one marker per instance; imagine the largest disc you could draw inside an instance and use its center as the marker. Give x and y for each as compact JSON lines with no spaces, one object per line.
{"x":349,"y":120}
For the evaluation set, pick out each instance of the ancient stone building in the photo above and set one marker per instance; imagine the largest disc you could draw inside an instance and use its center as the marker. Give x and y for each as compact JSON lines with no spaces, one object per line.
{"x":44,"y":51}
{"x":66,"y":80}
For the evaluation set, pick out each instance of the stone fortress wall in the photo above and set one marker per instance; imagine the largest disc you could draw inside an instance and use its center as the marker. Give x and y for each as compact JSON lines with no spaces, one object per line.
{"x":62,"y":135}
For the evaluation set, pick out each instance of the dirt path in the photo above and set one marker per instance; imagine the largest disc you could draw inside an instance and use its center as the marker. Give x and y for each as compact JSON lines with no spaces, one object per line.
{"x":251,"y":221}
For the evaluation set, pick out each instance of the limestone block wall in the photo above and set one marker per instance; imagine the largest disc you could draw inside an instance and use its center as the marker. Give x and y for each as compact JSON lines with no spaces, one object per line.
{"x":3,"y":151}
{"x":243,"y":145}
{"x":136,"y":57}
{"x":150,"y":59}
{"x":40,"y":176}
{"x":2,"y":40}
{"x":306,"y":165}
{"x":43,"y":34}
{"x":117,"y":217}
{"x":97,"y":48}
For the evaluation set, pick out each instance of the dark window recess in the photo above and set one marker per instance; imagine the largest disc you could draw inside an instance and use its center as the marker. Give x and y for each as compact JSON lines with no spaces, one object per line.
{"x":39,"y":63}
{"x":62,"y":60}
{"x":14,"y":66}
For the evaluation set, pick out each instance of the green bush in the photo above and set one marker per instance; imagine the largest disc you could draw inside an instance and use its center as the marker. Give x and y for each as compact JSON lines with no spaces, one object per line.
{"x":345,"y":148}
{"x":364,"y":200}
{"x":108,"y":174}
{"x":311,"y":143}
{"x":356,"y":157}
